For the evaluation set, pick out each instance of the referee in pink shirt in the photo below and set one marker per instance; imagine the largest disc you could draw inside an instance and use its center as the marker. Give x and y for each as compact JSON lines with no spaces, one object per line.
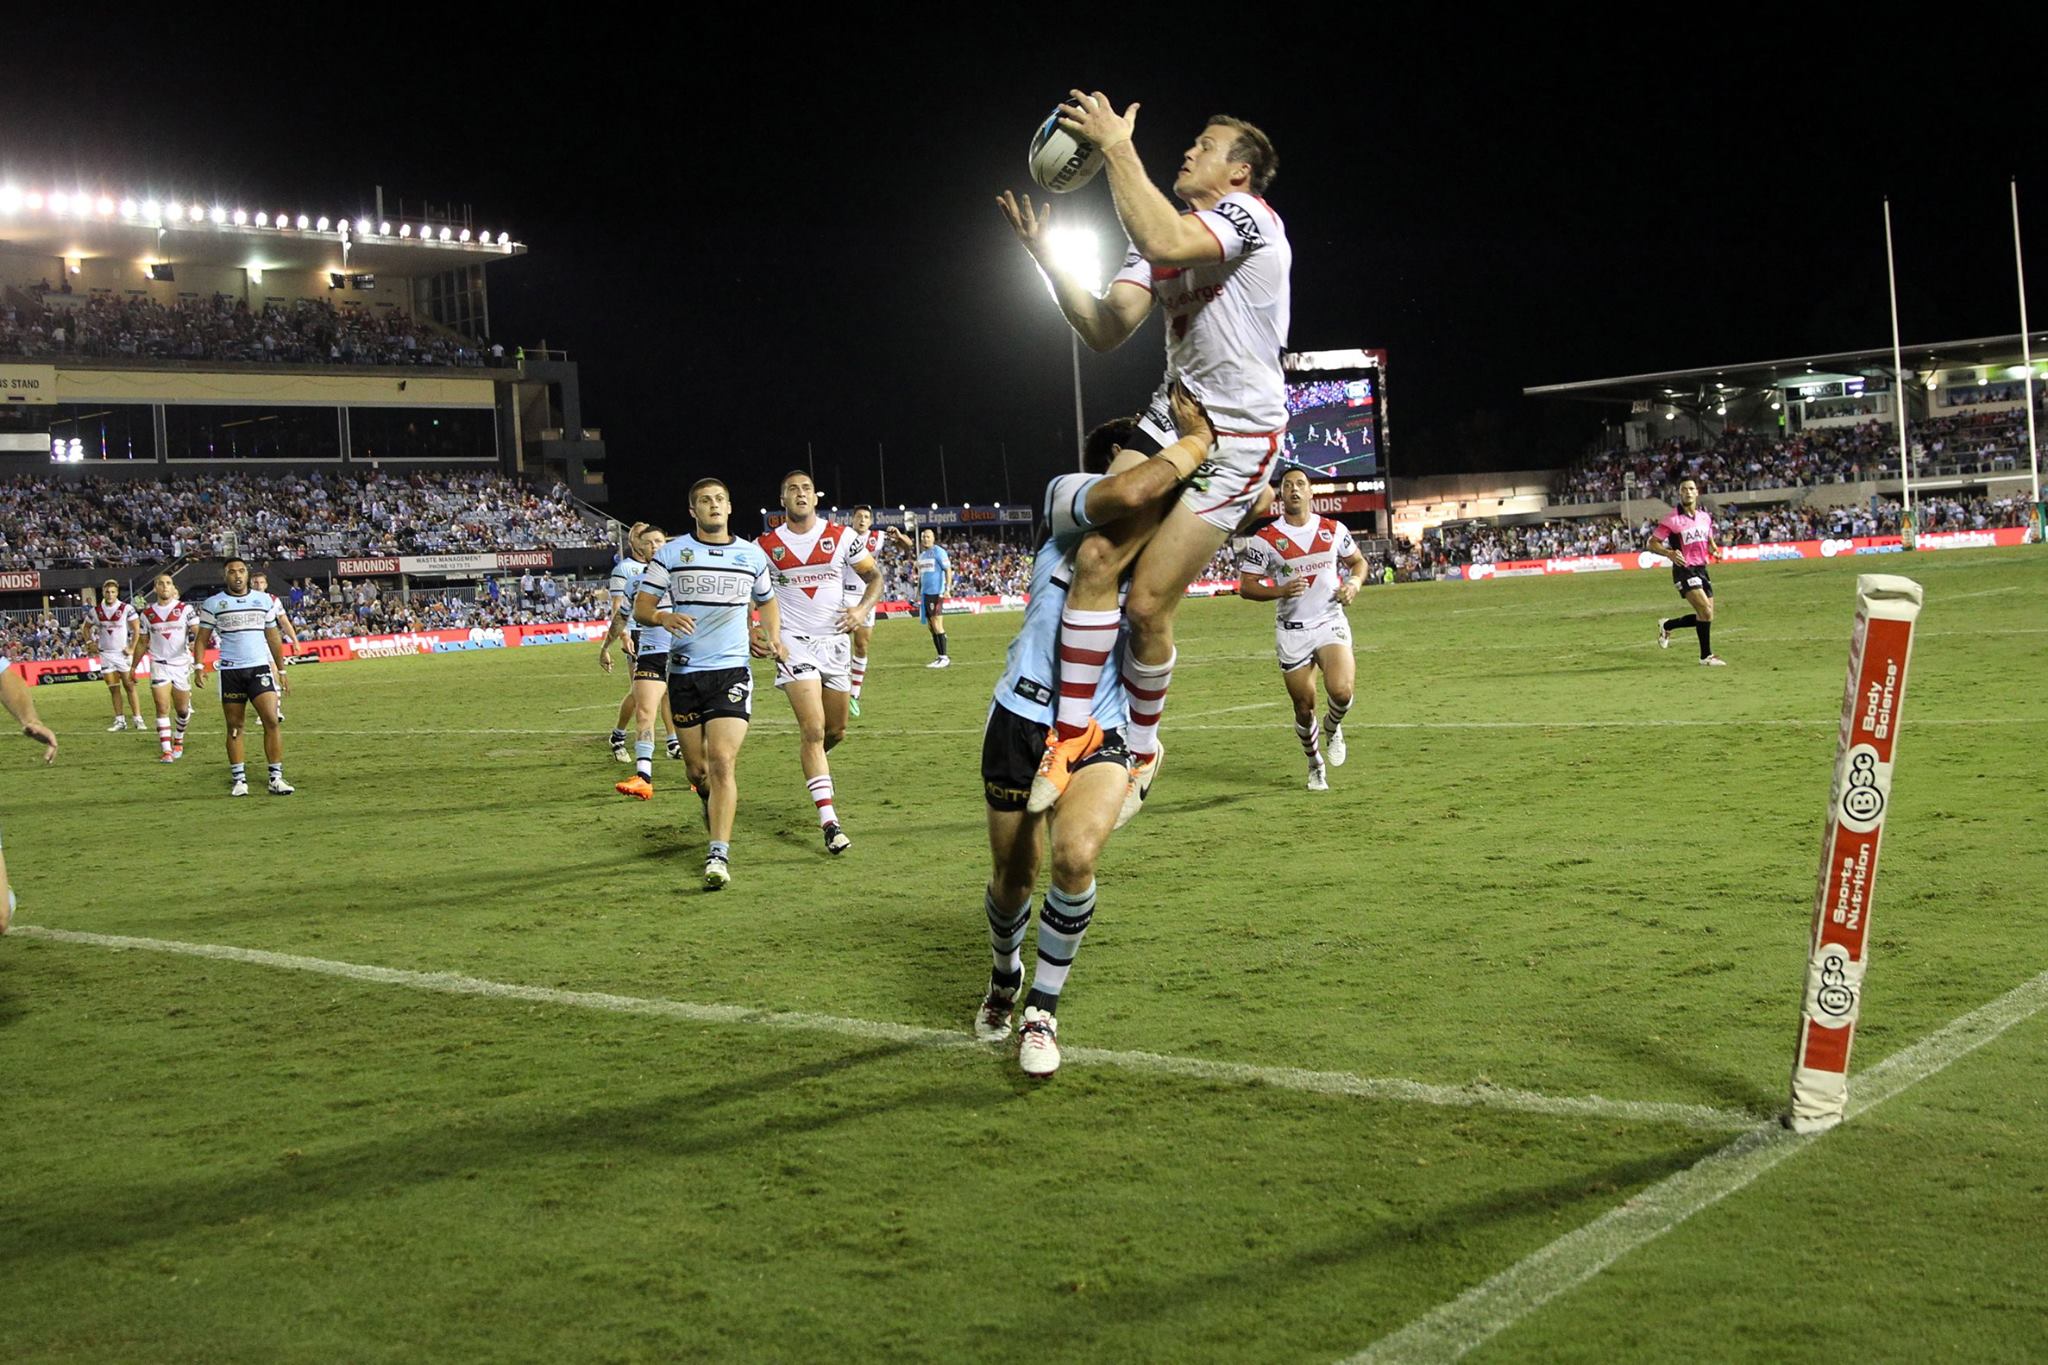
{"x":1686,"y":538}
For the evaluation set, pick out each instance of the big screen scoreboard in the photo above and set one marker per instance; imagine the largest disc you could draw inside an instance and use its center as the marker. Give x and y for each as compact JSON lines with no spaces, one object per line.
{"x":1337,"y":432}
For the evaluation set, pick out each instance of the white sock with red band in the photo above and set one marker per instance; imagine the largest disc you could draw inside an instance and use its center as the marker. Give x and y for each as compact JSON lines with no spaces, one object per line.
{"x":1145,"y":684}
{"x":1087,"y":639}
{"x":860,"y":672}
{"x":821,"y":795}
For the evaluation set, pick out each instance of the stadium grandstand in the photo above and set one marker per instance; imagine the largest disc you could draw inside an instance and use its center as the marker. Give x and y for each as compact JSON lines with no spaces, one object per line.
{"x":1786,"y":451}
{"x":186,"y":379}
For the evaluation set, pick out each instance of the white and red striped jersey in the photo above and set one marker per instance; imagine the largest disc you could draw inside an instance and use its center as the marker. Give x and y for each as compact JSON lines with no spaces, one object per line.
{"x":111,"y":625}
{"x":1226,"y":324}
{"x":1314,"y":551}
{"x":810,"y":572}
{"x":170,"y":631}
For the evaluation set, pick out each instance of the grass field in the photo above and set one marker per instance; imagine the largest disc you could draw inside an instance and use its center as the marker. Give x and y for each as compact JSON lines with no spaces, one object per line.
{"x":1559,"y":864}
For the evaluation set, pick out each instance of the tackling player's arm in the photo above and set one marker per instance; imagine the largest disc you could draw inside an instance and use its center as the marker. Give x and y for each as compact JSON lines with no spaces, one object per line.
{"x":1163,"y":235}
{"x":14,"y":695}
{"x":1142,"y":485}
{"x":1102,"y":322}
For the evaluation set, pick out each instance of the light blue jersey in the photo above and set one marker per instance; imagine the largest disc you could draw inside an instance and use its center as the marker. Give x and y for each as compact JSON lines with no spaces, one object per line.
{"x":238,"y":625}
{"x":625,"y":585}
{"x":932,"y":567}
{"x":1031,"y":670}
{"x":717,"y":586}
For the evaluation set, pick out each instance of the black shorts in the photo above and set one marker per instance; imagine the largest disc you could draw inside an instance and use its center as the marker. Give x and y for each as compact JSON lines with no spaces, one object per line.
{"x":1011,"y":748}
{"x":1686,"y":577}
{"x":694,"y":698}
{"x":245,"y":684}
{"x":934,"y":604}
{"x":651,"y":667}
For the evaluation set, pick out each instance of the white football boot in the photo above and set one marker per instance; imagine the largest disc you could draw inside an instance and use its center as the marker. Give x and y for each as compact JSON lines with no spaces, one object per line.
{"x":1038,"y":1048}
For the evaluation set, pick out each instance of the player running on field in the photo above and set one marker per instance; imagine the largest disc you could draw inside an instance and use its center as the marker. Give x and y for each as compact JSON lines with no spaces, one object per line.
{"x":650,"y":668}
{"x":711,"y":580}
{"x":934,"y":586}
{"x":167,"y":634}
{"x":810,"y":560}
{"x":1123,"y":488}
{"x":1221,"y":273}
{"x":1293,"y":563}
{"x":110,"y":633}
{"x":21,"y":704}
{"x":251,"y":669}
{"x":872,"y":538}
{"x":624,"y":583}
{"x":1687,"y":539}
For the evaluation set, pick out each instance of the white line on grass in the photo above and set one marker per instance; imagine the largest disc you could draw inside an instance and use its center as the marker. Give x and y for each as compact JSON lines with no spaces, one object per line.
{"x":1484,"y":1311}
{"x":1392,"y":1089}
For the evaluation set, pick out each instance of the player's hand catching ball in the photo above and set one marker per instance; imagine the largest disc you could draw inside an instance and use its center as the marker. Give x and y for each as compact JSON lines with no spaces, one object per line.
{"x":1092,"y":116}
{"x":1028,"y":222}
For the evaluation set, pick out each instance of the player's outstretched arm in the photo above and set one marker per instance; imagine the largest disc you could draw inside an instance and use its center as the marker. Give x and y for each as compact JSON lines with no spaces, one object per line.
{"x":1103,"y":323}
{"x":14,"y":695}
{"x":1162,"y":234}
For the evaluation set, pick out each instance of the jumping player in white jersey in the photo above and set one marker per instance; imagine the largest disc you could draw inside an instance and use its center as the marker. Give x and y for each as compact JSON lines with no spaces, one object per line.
{"x":110,"y":633}
{"x":167,"y":634}
{"x":710,"y":581}
{"x":1120,"y":486}
{"x":1293,"y":563}
{"x":1222,"y":273}
{"x":810,"y":560}
{"x":21,"y":704}
{"x":251,"y":670}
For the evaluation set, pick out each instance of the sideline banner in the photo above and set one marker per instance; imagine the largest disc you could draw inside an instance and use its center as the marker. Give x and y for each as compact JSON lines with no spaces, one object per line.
{"x":341,"y":648}
{"x":1740,"y":554}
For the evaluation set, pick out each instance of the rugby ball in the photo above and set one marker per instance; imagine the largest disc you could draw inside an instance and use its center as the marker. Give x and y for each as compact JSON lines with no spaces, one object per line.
{"x":1060,"y":161}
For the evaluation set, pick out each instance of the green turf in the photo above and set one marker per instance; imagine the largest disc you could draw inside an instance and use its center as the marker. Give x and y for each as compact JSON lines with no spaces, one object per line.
{"x":1558,"y":860}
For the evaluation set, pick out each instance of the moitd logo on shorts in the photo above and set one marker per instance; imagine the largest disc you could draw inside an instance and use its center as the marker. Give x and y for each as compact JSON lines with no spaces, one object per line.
{"x":737,"y":693}
{"x":1862,"y":803}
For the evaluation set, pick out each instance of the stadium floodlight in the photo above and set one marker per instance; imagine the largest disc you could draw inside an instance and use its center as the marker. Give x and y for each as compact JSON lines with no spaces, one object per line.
{"x":1671,"y":416}
{"x":127,"y":208}
{"x":1721,"y":411}
{"x":262,"y":218}
{"x":219,"y":215}
{"x":464,"y":235}
{"x":342,"y":227}
{"x":1775,"y":405}
{"x":303,"y":222}
{"x":446,"y":234}
{"x":321,"y":224}
{"x":504,"y":239}
{"x":57,"y":202}
{"x":196,"y":213}
{"x":383,"y":229}
{"x":241,"y":217}
{"x":405,"y":229}
{"x":105,"y":206}
{"x":32,"y":200}
{"x":10,"y":199}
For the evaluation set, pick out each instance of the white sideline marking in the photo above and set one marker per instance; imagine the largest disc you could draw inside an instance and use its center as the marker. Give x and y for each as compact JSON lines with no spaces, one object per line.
{"x":1394,"y":1089}
{"x":1486,"y":1310}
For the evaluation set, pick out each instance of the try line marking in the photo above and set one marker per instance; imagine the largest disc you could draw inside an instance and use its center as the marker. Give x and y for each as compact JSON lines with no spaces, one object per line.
{"x":1393,"y":1089}
{"x":1482,"y":1312}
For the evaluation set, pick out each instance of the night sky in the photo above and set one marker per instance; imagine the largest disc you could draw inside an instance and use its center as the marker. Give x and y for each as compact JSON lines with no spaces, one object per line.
{"x":751,"y":240}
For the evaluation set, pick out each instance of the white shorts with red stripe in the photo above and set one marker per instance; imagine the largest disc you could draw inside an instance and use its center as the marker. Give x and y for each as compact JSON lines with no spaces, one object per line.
{"x":1297,"y":644}
{"x":1227,"y":483}
{"x":826,"y":658}
{"x":162,"y":674}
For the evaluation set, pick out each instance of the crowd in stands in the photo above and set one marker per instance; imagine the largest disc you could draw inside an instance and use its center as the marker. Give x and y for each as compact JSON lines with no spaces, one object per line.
{"x":45,"y":524}
{"x":1970,"y":442}
{"x":303,"y":332}
{"x":1475,"y":543}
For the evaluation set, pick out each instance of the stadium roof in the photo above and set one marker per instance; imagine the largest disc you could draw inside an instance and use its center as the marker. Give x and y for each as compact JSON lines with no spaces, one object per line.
{"x":89,"y":227}
{"x":1874,"y":364}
